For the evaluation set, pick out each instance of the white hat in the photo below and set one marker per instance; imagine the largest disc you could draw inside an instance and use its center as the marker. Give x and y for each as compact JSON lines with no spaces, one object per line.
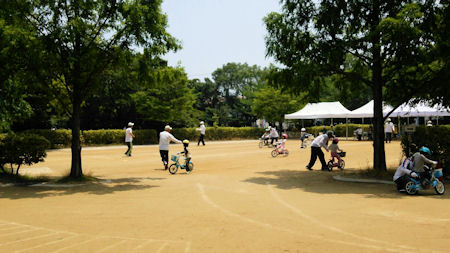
{"x":388,"y":119}
{"x":130,"y":124}
{"x":167,"y":127}
{"x":201,"y":122}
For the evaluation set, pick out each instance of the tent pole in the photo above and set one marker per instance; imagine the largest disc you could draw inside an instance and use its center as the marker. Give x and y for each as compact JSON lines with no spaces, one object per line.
{"x":346,"y":129}
{"x":437,"y":121}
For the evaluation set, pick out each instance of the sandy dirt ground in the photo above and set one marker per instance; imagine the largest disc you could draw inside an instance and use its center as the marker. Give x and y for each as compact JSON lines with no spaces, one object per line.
{"x":238,"y":199}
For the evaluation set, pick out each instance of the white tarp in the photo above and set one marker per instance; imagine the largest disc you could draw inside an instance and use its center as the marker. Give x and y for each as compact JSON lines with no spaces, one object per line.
{"x":366,"y":111}
{"x":422,"y":109}
{"x":321,"y":110}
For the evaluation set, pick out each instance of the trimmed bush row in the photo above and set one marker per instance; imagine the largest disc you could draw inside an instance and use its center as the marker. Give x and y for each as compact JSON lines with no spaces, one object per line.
{"x":436,"y":138}
{"x":62,"y":137}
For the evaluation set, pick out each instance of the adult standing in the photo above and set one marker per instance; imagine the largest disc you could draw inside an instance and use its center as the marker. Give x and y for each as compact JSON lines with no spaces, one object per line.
{"x":273,"y":135}
{"x":359,"y":133}
{"x":202,"y":130}
{"x":388,"y":130}
{"x":165,"y":137}
{"x":316,"y":151}
{"x":129,"y":138}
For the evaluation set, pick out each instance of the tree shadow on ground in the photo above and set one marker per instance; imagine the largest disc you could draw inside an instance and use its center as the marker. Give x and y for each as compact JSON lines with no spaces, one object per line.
{"x":102,"y":187}
{"x":323,"y":182}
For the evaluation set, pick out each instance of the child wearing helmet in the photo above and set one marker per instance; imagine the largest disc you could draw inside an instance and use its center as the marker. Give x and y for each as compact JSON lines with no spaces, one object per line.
{"x":303,"y":136}
{"x":422,"y":157}
{"x":282,"y":143}
{"x":334,"y":148}
{"x":186,"y":153}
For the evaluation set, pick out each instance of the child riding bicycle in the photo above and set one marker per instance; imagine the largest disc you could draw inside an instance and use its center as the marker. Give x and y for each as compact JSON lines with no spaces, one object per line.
{"x":334,"y":148}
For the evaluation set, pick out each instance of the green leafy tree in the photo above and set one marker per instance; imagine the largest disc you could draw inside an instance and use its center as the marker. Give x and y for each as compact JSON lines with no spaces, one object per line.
{"x":236,"y":83}
{"x":272,"y":104}
{"x":313,"y":39}
{"x":75,"y":42}
{"x":165,"y":97}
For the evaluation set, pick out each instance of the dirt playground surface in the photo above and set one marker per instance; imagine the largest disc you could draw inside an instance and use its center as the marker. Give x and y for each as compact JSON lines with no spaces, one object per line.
{"x":237,"y":199}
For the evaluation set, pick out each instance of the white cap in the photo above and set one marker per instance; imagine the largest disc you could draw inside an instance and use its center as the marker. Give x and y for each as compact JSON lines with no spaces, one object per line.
{"x":130,"y":124}
{"x":303,"y":129}
{"x":167,"y":127}
{"x":388,"y":119}
{"x":201,"y":122}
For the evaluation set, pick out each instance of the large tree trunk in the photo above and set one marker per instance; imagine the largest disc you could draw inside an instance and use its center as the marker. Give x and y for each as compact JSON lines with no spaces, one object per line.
{"x":379,"y":158}
{"x":76,"y":170}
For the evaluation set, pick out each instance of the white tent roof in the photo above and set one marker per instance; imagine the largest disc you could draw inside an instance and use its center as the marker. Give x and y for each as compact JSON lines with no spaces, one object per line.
{"x":321,"y":110}
{"x":366,"y":111}
{"x":422,"y":109}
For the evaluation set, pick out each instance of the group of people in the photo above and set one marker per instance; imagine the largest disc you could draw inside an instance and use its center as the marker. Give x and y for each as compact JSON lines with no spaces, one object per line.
{"x":165,"y":137}
{"x":270,"y":133}
{"x":412,"y":167}
{"x":316,"y":150}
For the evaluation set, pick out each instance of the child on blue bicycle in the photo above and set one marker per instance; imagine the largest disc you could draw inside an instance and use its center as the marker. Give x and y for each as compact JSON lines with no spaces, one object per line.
{"x":187,"y":154}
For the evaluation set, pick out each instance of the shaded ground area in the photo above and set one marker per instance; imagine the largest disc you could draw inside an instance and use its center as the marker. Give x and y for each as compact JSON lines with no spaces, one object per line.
{"x":238,"y":199}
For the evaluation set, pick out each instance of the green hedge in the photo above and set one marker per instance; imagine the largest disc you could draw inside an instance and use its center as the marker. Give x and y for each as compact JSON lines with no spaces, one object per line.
{"x":436,"y":138}
{"x":219,"y":133}
{"x":57,"y":138}
{"x":62,"y":137}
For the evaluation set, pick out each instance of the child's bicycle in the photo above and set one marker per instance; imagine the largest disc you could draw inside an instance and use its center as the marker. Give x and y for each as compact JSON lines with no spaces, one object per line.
{"x":263,"y":143}
{"x":173,"y":168}
{"x":332,"y":164}
{"x":279,"y":151}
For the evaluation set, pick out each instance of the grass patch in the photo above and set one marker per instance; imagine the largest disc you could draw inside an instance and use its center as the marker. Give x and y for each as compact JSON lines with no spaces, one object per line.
{"x":370,"y":173}
{"x":21,"y":179}
{"x":82,"y":179}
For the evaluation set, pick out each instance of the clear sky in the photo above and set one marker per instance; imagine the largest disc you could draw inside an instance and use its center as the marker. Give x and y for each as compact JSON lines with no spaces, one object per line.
{"x":216,"y":32}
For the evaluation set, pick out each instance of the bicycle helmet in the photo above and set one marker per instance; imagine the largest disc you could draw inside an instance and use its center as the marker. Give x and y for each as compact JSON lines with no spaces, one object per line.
{"x":284,"y":136}
{"x":185,"y":143}
{"x":330,"y":134}
{"x":425,"y":151}
{"x":267,"y":129}
{"x":303,"y":129}
{"x":335,"y":140}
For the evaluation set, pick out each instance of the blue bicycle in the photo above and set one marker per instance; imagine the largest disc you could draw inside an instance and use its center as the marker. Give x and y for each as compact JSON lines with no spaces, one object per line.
{"x":429,"y":178}
{"x":173,"y":168}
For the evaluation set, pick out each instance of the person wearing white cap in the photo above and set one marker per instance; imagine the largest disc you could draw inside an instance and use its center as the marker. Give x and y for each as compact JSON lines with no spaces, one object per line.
{"x":129,"y":138}
{"x":388,"y":129}
{"x":202,"y":130}
{"x":165,"y":137}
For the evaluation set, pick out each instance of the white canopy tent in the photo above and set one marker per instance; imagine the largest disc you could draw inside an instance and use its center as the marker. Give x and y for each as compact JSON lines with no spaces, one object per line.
{"x":366,"y":111}
{"x":321,"y":110}
{"x":422,"y":109}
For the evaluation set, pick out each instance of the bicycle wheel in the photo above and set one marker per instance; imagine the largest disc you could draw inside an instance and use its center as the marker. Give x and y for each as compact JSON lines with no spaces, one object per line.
{"x":439,"y":188}
{"x":330,"y":165}
{"x":173,"y":168}
{"x":410,"y":188}
{"x":342,"y":164}
{"x":191,"y":166}
{"x":274,"y":153}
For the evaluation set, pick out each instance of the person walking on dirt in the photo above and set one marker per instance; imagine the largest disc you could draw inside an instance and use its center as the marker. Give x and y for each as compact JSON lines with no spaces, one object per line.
{"x":388,"y":130}
{"x":316,"y":151}
{"x":202,"y":130}
{"x":273,"y":135}
{"x":129,"y":138}
{"x":165,"y":137}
